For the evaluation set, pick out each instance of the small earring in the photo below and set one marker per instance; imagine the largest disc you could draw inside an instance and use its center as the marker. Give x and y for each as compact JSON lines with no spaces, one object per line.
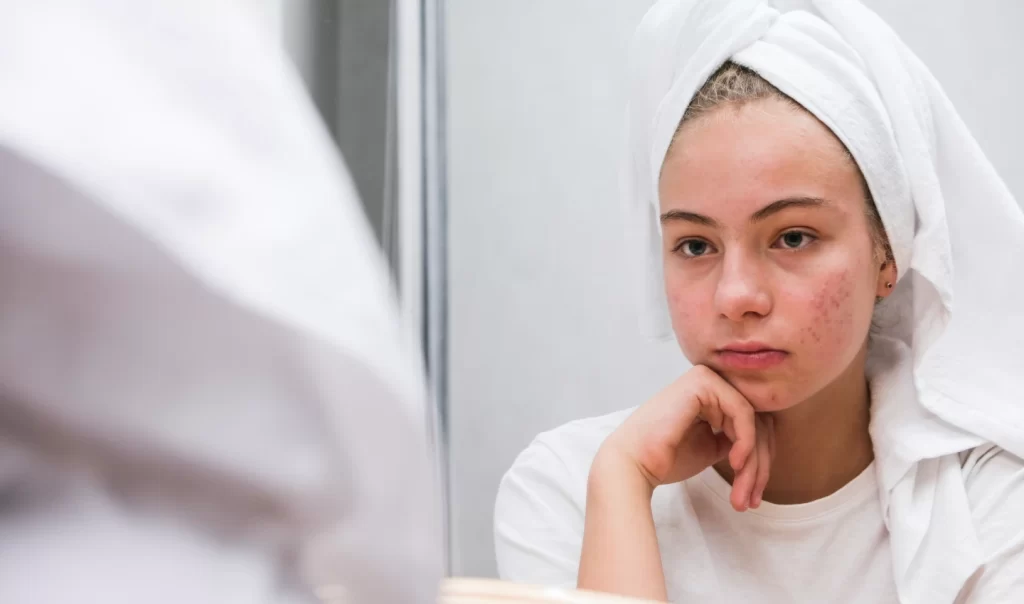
{"x":888,"y":285}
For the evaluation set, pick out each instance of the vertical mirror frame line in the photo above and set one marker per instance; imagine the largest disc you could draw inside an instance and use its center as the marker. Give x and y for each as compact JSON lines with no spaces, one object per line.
{"x":435,"y":240}
{"x":422,"y":254}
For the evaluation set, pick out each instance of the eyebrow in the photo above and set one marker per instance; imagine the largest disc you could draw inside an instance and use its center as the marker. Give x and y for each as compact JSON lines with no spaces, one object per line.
{"x":680,"y":215}
{"x":763,"y":214}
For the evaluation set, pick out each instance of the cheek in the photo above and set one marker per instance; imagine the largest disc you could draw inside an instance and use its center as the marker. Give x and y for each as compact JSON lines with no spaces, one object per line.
{"x":688,"y":308}
{"x":835,"y":319}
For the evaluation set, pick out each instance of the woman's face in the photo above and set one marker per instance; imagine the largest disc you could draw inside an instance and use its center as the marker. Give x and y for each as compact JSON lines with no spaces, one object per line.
{"x":771,"y":272}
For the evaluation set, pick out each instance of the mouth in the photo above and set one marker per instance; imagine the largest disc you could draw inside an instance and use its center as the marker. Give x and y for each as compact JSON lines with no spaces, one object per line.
{"x":750,"y":356}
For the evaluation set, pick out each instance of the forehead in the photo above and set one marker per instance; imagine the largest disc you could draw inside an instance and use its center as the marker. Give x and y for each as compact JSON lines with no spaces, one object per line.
{"x":736,"y":160}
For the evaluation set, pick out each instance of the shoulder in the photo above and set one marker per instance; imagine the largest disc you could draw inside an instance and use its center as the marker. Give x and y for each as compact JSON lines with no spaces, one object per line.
{"x":541,"y":503}
{"x":560,"y":459}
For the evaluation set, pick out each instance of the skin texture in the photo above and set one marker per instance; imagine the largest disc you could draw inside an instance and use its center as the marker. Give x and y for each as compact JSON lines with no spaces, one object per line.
{"x":766,"y":244}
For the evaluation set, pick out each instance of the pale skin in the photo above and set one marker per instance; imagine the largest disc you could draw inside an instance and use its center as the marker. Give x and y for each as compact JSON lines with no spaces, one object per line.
{"x":772,"y":276}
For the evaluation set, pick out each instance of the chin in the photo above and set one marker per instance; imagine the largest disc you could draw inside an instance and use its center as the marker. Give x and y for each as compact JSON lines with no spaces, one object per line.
{"x":765,"y":395}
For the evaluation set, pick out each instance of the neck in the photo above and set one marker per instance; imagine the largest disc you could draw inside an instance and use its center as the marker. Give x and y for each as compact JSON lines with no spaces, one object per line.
{"x":822,"y":443}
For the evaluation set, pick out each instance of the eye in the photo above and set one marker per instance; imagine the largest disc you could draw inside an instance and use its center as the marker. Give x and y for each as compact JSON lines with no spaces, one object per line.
{"x":794,"y":240}
{"x":694,"y":248}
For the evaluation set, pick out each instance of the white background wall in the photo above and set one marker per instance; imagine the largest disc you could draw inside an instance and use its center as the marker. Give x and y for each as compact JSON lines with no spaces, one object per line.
{"x":541,"y":329}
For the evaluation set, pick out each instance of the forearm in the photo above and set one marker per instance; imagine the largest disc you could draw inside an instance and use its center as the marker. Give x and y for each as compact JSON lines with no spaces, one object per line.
{"x":620,"y":547}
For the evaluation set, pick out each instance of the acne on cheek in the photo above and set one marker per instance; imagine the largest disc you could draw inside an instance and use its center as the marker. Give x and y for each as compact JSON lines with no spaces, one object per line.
{"x":831,"y":313}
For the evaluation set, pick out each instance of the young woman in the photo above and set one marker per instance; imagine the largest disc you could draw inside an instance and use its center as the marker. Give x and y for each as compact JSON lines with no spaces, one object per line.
{"x":836,"y":259}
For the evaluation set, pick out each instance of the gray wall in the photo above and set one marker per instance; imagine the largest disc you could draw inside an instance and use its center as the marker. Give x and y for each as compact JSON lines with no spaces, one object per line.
{"x":541,"y":329}
{"x":541,"y":332}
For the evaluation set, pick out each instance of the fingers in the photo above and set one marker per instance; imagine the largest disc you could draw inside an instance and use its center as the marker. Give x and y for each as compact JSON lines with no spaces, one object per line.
{"x":749,"y":483}
{"x":743,"y":484}
{"x":723,"y":445}
{"x":714,"y":417}
{"x":706,"y":448}
{"x":737,"y":418}
{"x":765,"y":436}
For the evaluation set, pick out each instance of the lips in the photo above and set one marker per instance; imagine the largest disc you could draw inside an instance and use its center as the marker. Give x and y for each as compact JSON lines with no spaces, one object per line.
{"x":750,"y":356}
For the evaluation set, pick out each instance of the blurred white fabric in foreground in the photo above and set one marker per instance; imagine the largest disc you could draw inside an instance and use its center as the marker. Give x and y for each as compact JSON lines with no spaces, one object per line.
{"x":204,"y":392}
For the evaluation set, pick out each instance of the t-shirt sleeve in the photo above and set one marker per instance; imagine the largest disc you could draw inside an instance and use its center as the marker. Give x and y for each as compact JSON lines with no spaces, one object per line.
{"x":995,"y":489}
{"x":538,"y":518}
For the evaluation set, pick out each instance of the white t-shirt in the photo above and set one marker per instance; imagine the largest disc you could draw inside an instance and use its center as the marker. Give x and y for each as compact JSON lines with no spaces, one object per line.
{"x":834,"y":549}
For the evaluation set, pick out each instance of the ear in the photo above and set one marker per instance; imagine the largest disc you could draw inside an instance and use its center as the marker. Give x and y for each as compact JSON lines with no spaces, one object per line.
{"x":886,"y":279}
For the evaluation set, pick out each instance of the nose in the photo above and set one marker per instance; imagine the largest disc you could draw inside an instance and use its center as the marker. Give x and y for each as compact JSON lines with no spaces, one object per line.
{"x":742,"y":291}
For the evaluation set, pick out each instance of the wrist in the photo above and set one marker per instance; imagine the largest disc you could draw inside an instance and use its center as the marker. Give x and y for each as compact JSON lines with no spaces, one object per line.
{"x":616,"y":471}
